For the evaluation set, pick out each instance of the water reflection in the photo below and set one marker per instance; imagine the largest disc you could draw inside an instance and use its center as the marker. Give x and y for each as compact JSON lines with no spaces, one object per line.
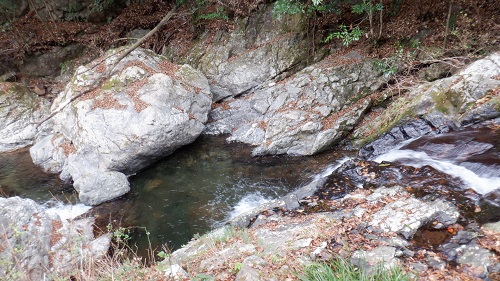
{"x":20,"y":177}
{"x":198,"y":187}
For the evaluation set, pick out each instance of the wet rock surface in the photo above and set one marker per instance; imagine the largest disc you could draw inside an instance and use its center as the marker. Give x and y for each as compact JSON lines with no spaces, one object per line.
{"x":468,"y":97}
{"x":424,"y":182}
{"x":264,"y":251}
{"x":418,"y":218}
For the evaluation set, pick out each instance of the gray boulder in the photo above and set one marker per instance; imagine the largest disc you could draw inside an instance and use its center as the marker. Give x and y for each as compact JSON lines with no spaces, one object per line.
{"x":304,"y":114}
{"x":146,"y":110}
{"x":382,"y":257}
{"x":20,"y":109}
{"x":37,"y":243}
{"x":258,"y":49}
{"x":468,"y":97}
{"x":52,"y":63}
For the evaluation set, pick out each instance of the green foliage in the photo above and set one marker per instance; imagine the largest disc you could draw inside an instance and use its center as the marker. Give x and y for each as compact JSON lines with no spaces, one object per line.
{"x":367,"y":7}
{"x":291,"y":7}
{"x":203,"y":277}
{"x":389,"y":66}
{"x":162,"y":255}
{"x":287,"y":7}
{"x":199,"y":7}
{"x":218,"y":14}
{"x":342,"y":270}
{"x":347,"y":36}
{"x":237,"y":267}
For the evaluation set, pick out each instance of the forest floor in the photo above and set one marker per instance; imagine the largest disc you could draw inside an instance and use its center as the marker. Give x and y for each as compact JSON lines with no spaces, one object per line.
{"x":474,"y":29}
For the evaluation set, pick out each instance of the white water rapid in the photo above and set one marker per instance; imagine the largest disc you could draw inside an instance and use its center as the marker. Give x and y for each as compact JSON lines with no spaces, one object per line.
{"x":482,"y":184}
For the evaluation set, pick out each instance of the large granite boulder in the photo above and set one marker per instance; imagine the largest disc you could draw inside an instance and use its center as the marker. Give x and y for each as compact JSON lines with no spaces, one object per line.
{"x":146,"y":110}
{"x":20,"y":109}
{"x":37,"y":242}
{"x":468,"y":97}
{"x":258,"y":49}
{"x":304,"y":114}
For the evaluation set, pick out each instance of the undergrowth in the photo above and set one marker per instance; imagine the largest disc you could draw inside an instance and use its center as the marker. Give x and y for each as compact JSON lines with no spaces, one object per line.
{"x":343,"y":270}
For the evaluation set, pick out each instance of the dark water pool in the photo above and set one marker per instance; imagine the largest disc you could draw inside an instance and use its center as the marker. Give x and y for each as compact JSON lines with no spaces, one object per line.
{"x":190,"y":192}
{"x":202,"y":185}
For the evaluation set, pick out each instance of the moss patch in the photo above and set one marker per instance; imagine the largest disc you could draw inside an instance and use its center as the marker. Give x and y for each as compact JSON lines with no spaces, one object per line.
{"x":496,"y":103}
{"x":397,"y":111}
{"x":110,"y":84}
{"x":447,"y":101}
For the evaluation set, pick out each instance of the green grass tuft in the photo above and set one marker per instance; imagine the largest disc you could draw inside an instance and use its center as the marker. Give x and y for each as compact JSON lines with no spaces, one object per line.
{"x":342,"y":270}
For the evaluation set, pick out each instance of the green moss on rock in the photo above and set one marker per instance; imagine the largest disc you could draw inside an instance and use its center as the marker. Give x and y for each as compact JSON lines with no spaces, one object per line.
{"x":110,"y":84}
{"x":447,"y":101}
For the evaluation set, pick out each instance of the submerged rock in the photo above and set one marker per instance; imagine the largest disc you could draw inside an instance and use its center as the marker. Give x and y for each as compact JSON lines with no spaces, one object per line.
{"x":38,"y":243}
{"x":147,"y":109}
{"x":20,"y":109}
{"x":304,"y":114}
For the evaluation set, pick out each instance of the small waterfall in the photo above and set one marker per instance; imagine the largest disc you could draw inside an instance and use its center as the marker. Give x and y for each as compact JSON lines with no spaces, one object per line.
{"x":256,"y":199}
{"x":248,"y":203}
{"x":66,"y":211}
{"x":482,"y":184}
{"x":329,"y":169}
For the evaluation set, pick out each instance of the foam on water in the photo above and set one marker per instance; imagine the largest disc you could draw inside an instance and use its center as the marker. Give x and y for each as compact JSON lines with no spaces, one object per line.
{"x":66,"y":211}
{"x":480,"y":183}
{"x":330,"y":169}
{"x":253,"y":200}
{"x":248,"y":203}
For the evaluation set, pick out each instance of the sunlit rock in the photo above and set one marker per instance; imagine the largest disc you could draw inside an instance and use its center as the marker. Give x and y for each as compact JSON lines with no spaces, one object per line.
{"x":305,"y":114}
{"x":145,"y":110}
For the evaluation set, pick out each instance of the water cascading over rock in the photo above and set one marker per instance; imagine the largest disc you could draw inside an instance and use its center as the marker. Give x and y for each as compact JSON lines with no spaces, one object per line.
{"x":147,"y":109}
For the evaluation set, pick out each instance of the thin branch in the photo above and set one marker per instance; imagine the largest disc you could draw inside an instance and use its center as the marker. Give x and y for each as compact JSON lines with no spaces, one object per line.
{"x":106,"y":74}
{"x":149,"y":34}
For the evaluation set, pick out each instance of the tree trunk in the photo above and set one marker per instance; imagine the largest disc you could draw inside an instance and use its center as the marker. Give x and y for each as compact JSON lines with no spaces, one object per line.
{"x":447,"y":25}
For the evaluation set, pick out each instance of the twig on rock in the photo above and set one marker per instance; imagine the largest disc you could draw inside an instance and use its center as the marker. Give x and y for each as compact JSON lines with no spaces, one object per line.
{"x":106,"y":74}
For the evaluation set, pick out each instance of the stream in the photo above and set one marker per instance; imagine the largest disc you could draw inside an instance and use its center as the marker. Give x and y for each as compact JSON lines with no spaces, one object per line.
{"x":204,"y":184}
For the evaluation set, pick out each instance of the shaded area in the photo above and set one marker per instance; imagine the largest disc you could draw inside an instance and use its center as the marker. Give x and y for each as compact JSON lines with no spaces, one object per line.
{"x":20,"y":177}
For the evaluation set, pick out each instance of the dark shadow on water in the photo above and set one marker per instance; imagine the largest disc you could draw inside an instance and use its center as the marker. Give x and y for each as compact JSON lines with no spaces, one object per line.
{"x":199,"y":186}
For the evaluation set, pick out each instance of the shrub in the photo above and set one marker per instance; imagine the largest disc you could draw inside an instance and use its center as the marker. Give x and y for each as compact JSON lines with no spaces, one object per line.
{"x":347,"y":36}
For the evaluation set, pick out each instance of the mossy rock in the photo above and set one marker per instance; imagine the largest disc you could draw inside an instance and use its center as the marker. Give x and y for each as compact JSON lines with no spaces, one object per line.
{"x":448,"y":101}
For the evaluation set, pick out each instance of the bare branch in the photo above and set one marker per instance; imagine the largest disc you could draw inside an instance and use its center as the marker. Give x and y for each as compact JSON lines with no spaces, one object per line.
{"x":106,"y":74}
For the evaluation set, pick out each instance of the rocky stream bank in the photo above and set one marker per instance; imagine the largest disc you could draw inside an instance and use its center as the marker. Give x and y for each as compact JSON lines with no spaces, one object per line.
{"x":257,"y":89}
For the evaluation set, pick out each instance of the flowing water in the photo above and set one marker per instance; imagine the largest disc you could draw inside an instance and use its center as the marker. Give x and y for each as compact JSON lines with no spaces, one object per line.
{"x":202,"y":185}
{"x":190,"y":192}
{"x":472,"y":155}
